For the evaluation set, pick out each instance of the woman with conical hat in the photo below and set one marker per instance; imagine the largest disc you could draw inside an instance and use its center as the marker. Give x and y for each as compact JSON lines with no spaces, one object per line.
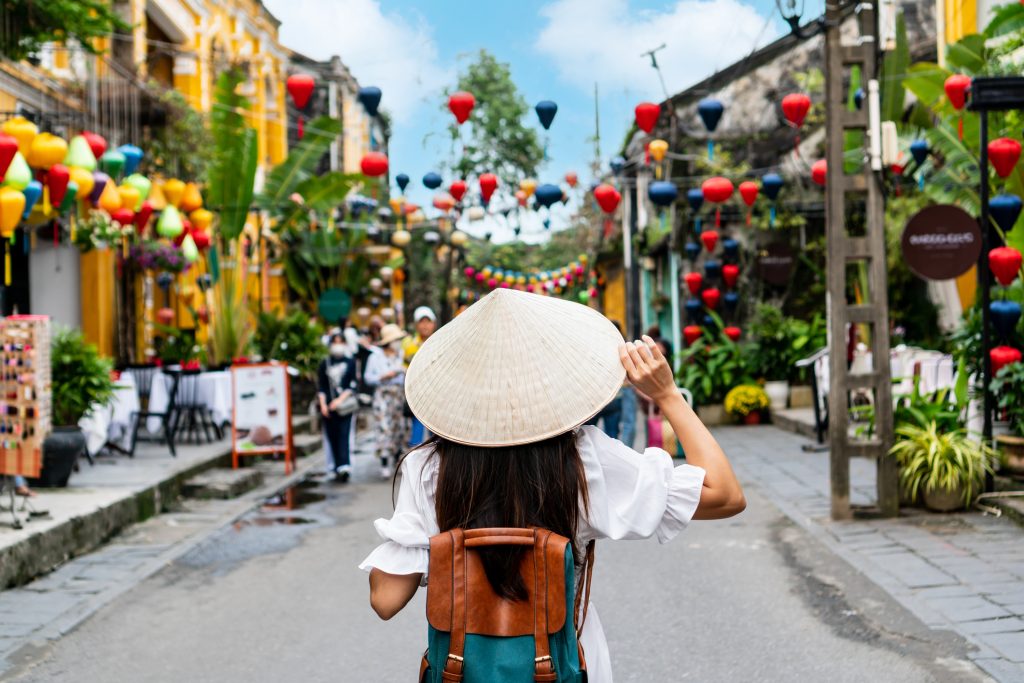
{"x":504,"y":388}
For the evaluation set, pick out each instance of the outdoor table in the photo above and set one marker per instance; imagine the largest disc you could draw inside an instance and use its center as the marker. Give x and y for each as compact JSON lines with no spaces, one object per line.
{"x":212,"y":389}
{"x":111,"y":424}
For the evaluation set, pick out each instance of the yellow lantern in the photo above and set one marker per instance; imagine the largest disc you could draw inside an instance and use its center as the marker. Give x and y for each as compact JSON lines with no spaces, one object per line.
{"x":85,"y":181}
{"x":459,"y":238}
{"x":46,"y":150}
{"x":110,"y":200}
{"x":22,"y":130}
{"x":131,"y":198}
{"x":401,"y":238}
{"x":156,"y":197}
{"x":201,"y":219}
{"x":528,"y":185}
{"x":174,"y":190}
{"x":12,"y":205}
{"x":658,"y":149}
{"x":191,"y":199}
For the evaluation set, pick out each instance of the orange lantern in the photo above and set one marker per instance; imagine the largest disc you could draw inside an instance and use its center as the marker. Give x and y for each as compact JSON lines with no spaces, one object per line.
{"x":191,"y":199}
{"x":174,"y":190}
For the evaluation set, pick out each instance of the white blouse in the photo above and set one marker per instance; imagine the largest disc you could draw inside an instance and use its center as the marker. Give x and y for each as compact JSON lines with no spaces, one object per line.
{"x":632,"y":496}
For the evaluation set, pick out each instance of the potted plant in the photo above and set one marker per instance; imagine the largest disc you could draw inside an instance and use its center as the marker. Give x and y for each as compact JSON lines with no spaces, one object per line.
{"x":295,"y":339}
{"x":806,"y":337}
{"x":747,"y":402}
{"x":709,"y":367}
{"x":79,"y":379}
{"x":946,"y":466}
{"x":1008,"y":386}
{"x":772,"y":352}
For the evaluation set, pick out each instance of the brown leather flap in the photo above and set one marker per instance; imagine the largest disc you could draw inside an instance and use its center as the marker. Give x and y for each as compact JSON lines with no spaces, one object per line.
{"x":486,"y":612}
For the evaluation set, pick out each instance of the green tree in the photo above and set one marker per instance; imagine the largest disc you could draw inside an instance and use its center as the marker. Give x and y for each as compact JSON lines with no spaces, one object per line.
{"x":496,"y":140}
{"x":184,"y":147}
{"x":233,"y":172}
{"x":28,"y":24}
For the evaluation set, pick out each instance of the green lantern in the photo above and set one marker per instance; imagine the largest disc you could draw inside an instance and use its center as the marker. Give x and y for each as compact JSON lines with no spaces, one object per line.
{"x":80,"y":154}
{"x":583,"y":296}
{"x":189,"y":249}
{"x":112,"y":163}
{"x":140,"y":183}
{"x":170,"y":224}
{"x":19,"y":175}
{"x":68,"y":203}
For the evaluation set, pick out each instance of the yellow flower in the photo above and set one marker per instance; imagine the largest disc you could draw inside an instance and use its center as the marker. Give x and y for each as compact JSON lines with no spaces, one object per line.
{"x":745,"y":399}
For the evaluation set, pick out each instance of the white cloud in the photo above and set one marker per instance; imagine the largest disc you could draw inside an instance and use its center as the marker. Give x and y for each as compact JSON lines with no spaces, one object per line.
{"x":396,"y":53}
{"x":603,"y":40}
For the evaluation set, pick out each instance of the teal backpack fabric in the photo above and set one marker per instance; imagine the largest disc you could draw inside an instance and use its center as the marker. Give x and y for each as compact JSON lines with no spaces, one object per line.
{"x":501,"y":640}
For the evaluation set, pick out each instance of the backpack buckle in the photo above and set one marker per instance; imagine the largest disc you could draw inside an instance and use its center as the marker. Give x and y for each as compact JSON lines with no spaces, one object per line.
{"x":545,"y":658}
{"x":460,"y":659}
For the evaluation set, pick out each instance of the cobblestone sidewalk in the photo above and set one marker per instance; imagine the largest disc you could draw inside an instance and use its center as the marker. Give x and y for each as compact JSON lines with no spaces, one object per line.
{"x":963,"y":572}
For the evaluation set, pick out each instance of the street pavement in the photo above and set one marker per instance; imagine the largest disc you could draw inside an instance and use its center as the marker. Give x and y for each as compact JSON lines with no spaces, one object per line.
{"x":277,"y":596}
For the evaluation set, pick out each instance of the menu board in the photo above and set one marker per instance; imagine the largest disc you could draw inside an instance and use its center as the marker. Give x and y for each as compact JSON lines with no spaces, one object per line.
{"x":24,"y":393}
{"x":262,"y":410}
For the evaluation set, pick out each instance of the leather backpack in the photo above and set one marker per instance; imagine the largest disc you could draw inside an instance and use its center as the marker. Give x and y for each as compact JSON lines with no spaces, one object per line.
{"x":476,"y":636}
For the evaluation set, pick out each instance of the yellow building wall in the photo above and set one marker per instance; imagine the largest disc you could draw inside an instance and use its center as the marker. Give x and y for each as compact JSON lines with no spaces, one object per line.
{"x":613,"y":299}
{"x":98,"y":297}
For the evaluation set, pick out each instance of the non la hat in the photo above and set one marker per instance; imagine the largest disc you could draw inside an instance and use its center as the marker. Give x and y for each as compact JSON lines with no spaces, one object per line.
{"x":515,"y":368}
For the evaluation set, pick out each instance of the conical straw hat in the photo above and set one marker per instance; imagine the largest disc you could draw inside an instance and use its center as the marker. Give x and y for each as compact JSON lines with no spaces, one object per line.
{"x":515,"y":368}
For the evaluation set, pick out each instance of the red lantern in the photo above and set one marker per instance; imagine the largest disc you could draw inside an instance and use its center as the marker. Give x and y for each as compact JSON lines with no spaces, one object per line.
{"x":444,"y":202}
{"x":1004,"y":153}
{"x":717,"y":190}
{"x":470,"y":271}
{"x":165,"y":316}
{"x":694,"y":282}
{"x":956,"y":87}
{"x":691,"y":333}
{"x":374,"y":164}
{"x":711,"y":297}
{"x":571,"y":178}
{"x":1005,"y":264}
{"x":748,"y":191}
{"x":142,"y":216}
{"x":300,"y":87}
{"x":730,"y":274}
{"x":202,"y":239}
{"x":488,"y":184}
{"x":710,"y":239}
{"x":1002,"y":356}
{"x":819,"y":172}
{"x":479,"y":278}
{"x":521,"y":197}
{"x":647,"y":114}
{"x":457,"y":189}
{"x":186,"y":230}
{"x":461,"y":105}
{"x":97,"y":143}
{"x":8,"y":148}
{"x":123,"y":216}
{"x":607,"y":197}
{"x":492,"y":283}
{"x":795,"y":107}
{"x":57,"y":182}
{"x":732,"y":333}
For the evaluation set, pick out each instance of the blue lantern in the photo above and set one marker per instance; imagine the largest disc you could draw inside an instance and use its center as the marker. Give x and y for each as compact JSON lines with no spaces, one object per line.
{"x":548,"y":194}
{"x":617,"y":164}
{"x":858,"y":98}
{"x":731,"y":301}
{"x":33,"y":191}
{"x":1005,"y":209}
{"x":1005,"y":316}
{"x":132,"y":157}
{"x":731,"y":247}
{"x":432,"y":180}
{"x":662,"y":193}
{"x":402,"y":181}
{"x":696,"y":198}
{"x":692,"y":251}
{"x":771,"y":185}
{"x":370,"y":96}
{"x":919,"y":150}
{"x":546,"y":110}
{"x":694,"y":307}
{"x":710,"y":111}
{"x":712,"y":269}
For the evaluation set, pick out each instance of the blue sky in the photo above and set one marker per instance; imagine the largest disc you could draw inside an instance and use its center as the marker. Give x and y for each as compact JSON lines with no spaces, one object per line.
{"x":557,"y":50}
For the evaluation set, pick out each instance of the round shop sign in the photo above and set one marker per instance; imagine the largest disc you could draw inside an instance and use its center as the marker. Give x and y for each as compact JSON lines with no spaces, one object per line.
{"x":775,"y":263}
{"x":334,"y":305}
{"x":941,"y":242}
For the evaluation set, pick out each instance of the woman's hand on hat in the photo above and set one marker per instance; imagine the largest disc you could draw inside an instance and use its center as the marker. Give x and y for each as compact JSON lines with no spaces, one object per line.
{"x":647,"y":369}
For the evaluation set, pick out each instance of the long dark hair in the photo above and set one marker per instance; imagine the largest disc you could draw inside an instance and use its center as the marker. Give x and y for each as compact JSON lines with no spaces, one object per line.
{"x":541,"y":484}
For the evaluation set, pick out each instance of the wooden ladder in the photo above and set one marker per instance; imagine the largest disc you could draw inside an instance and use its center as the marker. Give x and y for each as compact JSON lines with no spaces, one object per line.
{"x":844,"y":249}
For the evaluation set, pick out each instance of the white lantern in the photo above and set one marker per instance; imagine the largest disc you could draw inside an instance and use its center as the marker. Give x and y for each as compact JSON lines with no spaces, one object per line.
{"x":401,"y":238}
{"x":387,"y":272}
{"x":460,"y":238}
{"x":476,"y":213}
{"x":376,"y":284}
{"x":388,"y":314}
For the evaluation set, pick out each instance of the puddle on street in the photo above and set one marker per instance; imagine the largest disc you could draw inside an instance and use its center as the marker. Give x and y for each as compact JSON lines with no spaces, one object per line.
{"x":269,"y":521}
{"x":294,"y":497}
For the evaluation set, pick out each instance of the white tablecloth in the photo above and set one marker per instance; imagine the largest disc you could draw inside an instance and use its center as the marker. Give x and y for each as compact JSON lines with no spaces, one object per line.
{"x":213,"y":391}
{"x":112,"y":422}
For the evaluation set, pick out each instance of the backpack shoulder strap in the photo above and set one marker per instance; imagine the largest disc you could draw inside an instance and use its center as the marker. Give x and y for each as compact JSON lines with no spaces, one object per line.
{"x":454,"y":663}
{"x":543,"y":665}
{"x":583,"y":590}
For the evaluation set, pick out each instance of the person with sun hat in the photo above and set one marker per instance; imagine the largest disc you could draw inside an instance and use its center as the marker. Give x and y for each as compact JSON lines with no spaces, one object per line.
{"x":385,"y":371}
{"x":505,"y":388}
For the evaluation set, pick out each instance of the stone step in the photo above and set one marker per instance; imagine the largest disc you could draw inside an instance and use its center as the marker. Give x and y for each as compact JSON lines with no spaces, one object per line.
{"x":222,"y":483}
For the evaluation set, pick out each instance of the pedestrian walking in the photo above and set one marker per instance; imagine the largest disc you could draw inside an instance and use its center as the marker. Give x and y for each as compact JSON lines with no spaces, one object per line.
{"x":426,"y":324}
{"x":336,"y":393}
{"x":505,"y":387}
{"x":385,"y":372}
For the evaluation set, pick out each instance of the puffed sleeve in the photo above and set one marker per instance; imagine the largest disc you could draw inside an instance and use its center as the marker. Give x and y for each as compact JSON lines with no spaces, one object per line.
{"x":635,"y":495}
{"x":406,"y":547}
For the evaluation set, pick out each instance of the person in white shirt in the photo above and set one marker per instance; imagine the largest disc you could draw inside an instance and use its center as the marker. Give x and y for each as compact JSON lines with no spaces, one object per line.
{"x":385,"y":371}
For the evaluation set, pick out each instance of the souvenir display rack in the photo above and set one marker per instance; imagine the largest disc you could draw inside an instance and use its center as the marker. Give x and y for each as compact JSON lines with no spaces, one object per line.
{"x":24,"y":393}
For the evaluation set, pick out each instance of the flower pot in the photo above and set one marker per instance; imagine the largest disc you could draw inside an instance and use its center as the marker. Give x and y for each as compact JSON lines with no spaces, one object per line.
{"x":801,"y":396}
{"x":712,"y":415}
{"x":1013,"y":450}
{"x":944,"y":500}
{"x":753,"y":418}
{"x":778,"y":394}
{"x":61,"y":449}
